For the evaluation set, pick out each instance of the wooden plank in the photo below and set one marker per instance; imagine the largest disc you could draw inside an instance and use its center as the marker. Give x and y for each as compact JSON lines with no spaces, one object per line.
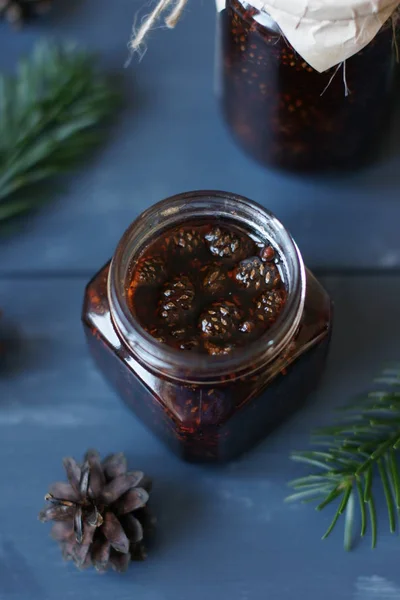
{"x":224,"y":533}
{"x":170,"y":138}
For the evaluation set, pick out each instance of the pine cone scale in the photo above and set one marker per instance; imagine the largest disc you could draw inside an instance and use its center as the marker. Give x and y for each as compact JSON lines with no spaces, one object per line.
{"x":56,"y":513}
{"x":78,"y":525}
{"x":101,"y":555}
{"x":73,"y":472}
{"x":62,"y":531}
{"x":133,"y":528}
{"x":63,"y":491}
{"x":67,"y":550}
{"x":119,"y":562}
{"x":131,"y":501}
{"x":115,"y":465}
{"x":81,"y":550}
{"x":113,"y":531}
{"x":84,"y":480}
{"x":96,"y":478}
{"x":121,"y":484}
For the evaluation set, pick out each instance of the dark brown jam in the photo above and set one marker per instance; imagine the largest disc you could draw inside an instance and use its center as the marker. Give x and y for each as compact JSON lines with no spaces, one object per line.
{"x":217,"y":299}
{"x":286,"y":114}
{"x":206,"y":288}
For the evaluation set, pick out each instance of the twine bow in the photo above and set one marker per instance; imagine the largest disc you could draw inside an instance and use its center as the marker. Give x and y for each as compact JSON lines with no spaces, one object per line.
{"x":150,"y":20}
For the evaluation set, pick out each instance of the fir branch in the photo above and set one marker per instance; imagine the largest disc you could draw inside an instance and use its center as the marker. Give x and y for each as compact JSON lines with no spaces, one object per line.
{"x":48,"y":116}
{"x":363,"y":444}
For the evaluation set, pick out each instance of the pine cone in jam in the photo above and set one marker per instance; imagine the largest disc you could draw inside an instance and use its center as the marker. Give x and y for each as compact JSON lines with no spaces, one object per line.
{"x":187,"y":240}
{"x":100,"y":516}
{"x":214,"y":280}
{"x":220,"y":320}
{"x":177,"y":298}
{"x":150,"y":270}
{"x":228,"y":244}
{"x":270,"y":304}
{"x":253,"y":274}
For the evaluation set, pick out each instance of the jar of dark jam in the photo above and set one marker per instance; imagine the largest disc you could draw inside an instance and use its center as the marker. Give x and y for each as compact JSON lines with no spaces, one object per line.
{"x":208,"y":324}
{"x":288,"y":115}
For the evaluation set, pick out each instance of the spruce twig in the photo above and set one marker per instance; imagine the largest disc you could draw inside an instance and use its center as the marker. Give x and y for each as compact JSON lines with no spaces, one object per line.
{"x":49,"y":112}
{"x":362,"y":445}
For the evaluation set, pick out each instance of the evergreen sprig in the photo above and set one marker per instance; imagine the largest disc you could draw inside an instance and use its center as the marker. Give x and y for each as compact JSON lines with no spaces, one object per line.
{"x":362,"y":445}
{"x":48,"y":116}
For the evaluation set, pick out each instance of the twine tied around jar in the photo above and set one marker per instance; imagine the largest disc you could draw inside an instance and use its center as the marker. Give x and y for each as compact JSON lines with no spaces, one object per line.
{"x":151,"y":19}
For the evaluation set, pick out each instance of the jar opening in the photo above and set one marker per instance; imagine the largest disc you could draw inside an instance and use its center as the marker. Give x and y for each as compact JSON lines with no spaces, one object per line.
{"x":191,"y":366}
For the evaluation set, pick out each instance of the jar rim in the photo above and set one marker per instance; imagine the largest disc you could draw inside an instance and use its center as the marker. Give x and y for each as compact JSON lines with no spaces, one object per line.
{"x":192,"y":367}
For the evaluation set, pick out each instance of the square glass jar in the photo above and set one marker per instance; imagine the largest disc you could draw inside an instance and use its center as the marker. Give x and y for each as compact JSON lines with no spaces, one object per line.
{"x":209,"y":408}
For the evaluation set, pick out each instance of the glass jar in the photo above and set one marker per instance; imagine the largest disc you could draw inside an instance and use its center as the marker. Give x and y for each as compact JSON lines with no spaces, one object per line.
{"x":209,"y":408}
{"x":288,"y":115}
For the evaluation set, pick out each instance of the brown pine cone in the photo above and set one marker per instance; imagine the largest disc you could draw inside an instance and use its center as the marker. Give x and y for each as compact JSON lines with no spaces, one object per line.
{"x":17,"y":12}
{"x":177,"y":298}
{"x":101,"y":516}
{"x":150,"y":270}
{"x":187,"y":241}
{"x":220,"y":321}
{"x":227,"y":244}
{"x":253,"y":274}
{"x":214,"y":279}
{"x":270,"y":304}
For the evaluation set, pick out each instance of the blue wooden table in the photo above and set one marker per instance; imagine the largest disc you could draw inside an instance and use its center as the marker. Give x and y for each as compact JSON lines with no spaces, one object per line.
{"x":224,"y":533}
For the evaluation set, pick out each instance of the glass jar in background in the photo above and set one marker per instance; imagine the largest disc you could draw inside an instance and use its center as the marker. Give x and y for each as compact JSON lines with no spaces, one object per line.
{"x":288,"y":115}
{"x":209,"y":408}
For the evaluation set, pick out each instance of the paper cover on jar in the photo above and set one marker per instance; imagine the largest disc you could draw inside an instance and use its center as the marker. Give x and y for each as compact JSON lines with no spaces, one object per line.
{"x":326,"y":32}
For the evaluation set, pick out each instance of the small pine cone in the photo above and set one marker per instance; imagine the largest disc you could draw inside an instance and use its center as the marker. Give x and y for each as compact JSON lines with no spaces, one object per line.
{"x":177,"y":299}
{"x":220,"y":320}
{"x":227,"y":244}
{"x":269,"y":305}
{"x":149,"y":271}
{"x":214,"y":279}
{"x":100,"y":517}
{"x":255,"y":275}
{"x":187,"y":241}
